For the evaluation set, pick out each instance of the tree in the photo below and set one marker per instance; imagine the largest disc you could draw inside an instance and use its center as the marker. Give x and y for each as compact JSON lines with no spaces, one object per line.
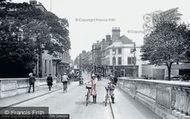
{"x":166,"y":44}
{"x":41,"y":30}
{"x":16,"y":57}
{"x":49,"y":34}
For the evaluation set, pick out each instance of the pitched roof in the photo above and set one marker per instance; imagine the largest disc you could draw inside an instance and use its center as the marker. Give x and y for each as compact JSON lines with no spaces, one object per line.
{"x":125,"y":40}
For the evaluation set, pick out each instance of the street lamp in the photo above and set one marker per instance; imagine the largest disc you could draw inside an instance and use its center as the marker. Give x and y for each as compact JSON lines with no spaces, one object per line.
{"x":113,"y":59}
{"x":134,"y":62}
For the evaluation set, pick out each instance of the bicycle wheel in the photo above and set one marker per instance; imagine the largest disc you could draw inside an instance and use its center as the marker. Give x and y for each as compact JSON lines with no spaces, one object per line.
{"x":106,"y":100}
{"x":87,"y":99}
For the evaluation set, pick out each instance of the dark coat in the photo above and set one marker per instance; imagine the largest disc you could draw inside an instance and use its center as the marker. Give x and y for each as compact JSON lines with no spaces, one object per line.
{"x":49,"y":80}
{"x":115,"y":79}
{"x":32,"y":80}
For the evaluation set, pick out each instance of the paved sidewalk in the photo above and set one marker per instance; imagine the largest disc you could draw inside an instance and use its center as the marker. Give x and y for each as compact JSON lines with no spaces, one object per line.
{"x":11,"y":101}
{"x":128,"y":108}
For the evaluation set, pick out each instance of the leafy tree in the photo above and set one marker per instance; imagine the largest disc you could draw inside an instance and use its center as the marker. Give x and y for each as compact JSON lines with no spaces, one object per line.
{"x":166,"y":44}
{"x":16,"y":57}
{"x":41,"y":31}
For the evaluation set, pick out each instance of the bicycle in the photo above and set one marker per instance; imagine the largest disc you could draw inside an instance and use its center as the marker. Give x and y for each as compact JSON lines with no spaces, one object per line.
{"x":107,"y":97}
{"x":88,"y":95}
{"x":64,"y":86}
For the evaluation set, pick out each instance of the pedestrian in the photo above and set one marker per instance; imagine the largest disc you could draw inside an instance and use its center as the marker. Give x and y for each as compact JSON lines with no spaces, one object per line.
{"x":94,"y":92}
{"x":64,"y":80}
{"x":49,"y":81}
{"x":31,"y":82}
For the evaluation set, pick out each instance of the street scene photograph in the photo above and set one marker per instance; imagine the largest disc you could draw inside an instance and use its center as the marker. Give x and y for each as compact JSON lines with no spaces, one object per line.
{"x":94,"y":59}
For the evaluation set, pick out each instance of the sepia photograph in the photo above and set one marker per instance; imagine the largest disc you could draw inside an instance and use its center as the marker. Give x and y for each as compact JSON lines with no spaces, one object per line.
{"x":94,"y":59}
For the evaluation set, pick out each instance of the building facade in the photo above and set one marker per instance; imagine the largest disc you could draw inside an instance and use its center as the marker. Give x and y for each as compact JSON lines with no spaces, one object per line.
{"x":84,"y":61}
{"x":122,"y":57}
{"x":116,"y":55}
{"x":52,"y":64}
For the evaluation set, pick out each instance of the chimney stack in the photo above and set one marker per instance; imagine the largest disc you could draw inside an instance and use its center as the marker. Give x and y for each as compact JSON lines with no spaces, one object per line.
{"x":33,"y":2}
{"x":115,"y":33}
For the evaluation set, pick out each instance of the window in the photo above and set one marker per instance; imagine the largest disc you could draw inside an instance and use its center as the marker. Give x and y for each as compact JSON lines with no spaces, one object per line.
{"x":119,"y":51}
{"x":113,"y":60}
{"x":107,"y":52}
{"x":119,"y":61}
{"x":131,"y":60}
{"x":113,"y":51}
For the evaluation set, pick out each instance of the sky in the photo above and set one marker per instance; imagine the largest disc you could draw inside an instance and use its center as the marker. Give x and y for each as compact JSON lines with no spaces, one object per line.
{"x":126,"y":14}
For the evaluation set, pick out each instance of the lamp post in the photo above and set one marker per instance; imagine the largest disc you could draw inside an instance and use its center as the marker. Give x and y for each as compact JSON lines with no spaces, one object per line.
{"x":113,"y":61}
{"x":134,"y":62}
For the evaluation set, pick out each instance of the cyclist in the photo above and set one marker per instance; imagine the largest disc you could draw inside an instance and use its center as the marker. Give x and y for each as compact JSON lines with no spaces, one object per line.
{"x":115,"y":79}
{"x":89,"y":92}
{"x":64,"y":80}
{"x":111,"y":77}
{"x":111,"y":87}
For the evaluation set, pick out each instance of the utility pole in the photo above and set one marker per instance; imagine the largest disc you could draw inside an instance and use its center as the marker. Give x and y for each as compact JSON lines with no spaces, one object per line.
{"x":114,"y":61}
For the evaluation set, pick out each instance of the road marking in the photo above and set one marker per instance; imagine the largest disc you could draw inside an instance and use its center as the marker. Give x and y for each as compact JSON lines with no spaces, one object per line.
{"x":111,"y":108}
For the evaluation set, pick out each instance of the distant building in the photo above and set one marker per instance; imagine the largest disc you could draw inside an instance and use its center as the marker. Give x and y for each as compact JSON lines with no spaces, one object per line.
{"x":161,"y":72}
{"x":114,"y":55}
{"x":84,"y":61}
{"x":119,"y":57}
{"x":96,"y":56}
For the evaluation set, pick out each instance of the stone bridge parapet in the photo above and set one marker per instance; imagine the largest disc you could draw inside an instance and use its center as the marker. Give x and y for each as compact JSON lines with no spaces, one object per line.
{"x":168,"y":99}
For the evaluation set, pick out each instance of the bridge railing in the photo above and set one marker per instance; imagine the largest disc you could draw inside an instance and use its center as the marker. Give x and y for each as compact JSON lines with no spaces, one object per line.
{"x":168,"y":99}
{"x":14,"y":86}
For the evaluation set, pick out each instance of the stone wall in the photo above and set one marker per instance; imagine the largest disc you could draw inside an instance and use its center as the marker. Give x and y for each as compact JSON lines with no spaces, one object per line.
{"x":15,"y":86}
{"x":168,"y":99}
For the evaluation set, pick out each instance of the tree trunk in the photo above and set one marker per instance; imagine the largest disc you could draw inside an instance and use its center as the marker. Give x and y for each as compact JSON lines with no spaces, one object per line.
{"x":169,"y":65}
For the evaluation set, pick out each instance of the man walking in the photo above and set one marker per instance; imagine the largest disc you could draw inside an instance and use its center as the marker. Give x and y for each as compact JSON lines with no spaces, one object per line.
{"x":49,"y":81}
{"x":31,"y":82}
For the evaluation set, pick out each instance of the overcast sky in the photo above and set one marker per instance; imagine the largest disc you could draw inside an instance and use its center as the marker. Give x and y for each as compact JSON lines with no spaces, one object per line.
{"x":126,"y":14}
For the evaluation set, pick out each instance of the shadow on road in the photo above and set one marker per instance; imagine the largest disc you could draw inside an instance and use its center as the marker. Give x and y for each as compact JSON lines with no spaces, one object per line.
{"x":84,"y":103}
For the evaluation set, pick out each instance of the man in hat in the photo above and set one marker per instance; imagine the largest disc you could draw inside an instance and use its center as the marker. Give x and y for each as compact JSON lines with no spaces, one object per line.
{"x":31,"y":82}
{"x":49,"y":81}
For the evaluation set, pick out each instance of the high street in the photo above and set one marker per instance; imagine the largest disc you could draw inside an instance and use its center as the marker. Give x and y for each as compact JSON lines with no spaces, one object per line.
{"x":73,"y":102}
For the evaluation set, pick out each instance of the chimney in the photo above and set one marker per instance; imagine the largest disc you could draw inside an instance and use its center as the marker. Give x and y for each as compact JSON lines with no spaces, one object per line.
{"x":103,"y":40}
{"x":115,"y":33}
{"x":33,"y":2}
{"x":108,"y":37}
